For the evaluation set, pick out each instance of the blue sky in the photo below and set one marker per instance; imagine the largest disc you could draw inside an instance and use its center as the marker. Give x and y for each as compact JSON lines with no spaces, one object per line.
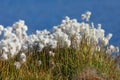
{"x":44,"y":14}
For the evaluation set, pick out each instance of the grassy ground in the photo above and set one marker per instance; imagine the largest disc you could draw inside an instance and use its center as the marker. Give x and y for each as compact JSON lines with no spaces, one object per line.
{"x":81,"y":63}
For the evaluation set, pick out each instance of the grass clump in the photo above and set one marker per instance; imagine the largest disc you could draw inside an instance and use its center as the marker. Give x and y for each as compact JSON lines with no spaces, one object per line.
{"x":83,"y":62}
{"x":72,"y":51}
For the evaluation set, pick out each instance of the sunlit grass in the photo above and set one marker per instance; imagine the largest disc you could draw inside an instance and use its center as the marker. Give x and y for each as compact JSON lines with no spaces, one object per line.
{"x":80,"y":63}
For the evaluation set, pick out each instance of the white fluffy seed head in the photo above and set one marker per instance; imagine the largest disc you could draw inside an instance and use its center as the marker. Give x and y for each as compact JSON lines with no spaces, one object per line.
{"x":4,"y":56}
{"x":83,"y":16}
{"x":23,"y":58}
{"x":1,"y":27}
{"x":99,"y":26}
{"x":112,"y":47}
{"x":9,"y":29}
{"x":67,"y":18}
{"x":92,"y":25}
{"x":117,"y":49}
{"x":21,"y":23}
{"x":0,"y":33}
{"x":105,"y":41}
{"x":39,"y":63}
{"x":25,"y":28}
{"x":17,"y":65}
{"x":5,"y":49}
{"x":15,"y":37}
{"x":23,"y":55}
{"x":51,"y":53}
{"x":109,"y":36}
{"x":88,"y":14}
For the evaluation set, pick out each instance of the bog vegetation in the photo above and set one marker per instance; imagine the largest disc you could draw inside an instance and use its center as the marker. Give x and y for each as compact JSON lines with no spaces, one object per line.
{"x":71,"y":51}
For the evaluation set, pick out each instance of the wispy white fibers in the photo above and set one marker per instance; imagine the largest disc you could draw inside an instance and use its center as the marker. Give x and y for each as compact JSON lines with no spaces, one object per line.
{"x":86,"y":16}
{"x":39,"y":62}
{"x":23,"y":57}
{"x":17,"y":65}
{"x":51,"y":53}
{"x":15,"y":39}
{"x":1,"y":29}
{"x":4,"y":56}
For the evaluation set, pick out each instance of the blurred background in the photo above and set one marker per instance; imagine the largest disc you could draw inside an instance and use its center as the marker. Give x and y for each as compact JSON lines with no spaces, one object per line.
{"x":44,"y":14}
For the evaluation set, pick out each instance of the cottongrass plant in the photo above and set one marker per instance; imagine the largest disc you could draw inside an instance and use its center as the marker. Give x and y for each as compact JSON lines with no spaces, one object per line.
{"x":71,"y":51}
